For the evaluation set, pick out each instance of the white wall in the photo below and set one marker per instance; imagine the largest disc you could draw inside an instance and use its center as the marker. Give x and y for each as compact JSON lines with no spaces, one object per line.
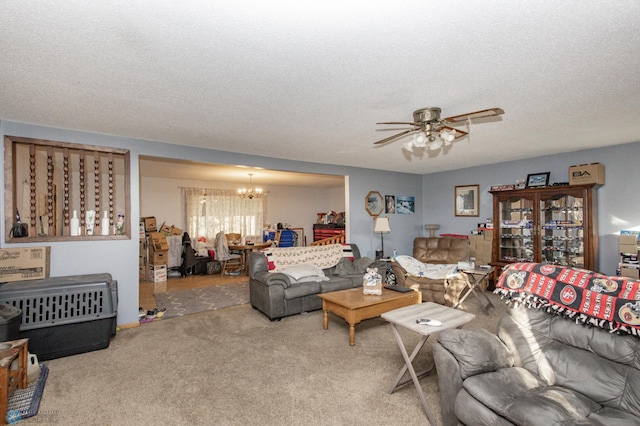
{"x":297,"y":206}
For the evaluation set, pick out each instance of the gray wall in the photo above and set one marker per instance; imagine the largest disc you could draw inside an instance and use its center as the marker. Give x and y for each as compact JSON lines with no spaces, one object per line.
{"x":618,"y":201}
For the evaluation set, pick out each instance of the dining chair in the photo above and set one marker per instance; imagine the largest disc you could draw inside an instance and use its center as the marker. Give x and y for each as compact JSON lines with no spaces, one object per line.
{"x":230,"y":261}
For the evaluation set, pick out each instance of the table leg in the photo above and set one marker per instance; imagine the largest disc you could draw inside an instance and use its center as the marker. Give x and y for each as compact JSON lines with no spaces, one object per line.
{"x":472,"y":284}
{"x":326,"y":319}
{"x":408,"y":366}
{"x":352,"y":334}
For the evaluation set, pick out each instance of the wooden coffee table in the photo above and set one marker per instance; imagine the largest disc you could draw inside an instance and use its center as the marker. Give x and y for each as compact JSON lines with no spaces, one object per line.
{"x":353,"y":305}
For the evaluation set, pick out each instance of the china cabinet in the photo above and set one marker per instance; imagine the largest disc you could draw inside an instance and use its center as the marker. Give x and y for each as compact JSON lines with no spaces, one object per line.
{"x":555,"y":225}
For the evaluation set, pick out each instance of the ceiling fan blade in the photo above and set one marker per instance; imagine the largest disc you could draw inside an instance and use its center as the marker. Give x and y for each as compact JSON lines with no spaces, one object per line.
{"x":458,"y":133}
{"x":401,"y":122}
{"x":491,"y":112}
{"x":390,"y":138}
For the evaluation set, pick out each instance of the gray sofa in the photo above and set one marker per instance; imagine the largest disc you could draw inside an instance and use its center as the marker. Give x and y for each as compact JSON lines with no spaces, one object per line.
{"x":540,"y":369}
{"x":276,"y":295}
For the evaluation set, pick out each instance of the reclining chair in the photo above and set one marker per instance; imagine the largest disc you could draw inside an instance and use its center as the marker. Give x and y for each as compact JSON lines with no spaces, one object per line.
{"x":437,"y":250}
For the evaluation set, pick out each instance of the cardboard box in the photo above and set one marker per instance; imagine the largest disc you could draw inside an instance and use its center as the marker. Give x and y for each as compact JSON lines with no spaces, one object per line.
{"x":25,"y":263}
{"x":159,"y":257}
{"x":149,"y":223}
{"x":175,"y":231}
{"x":630,"y":273}
{"x":164,"y":228}
{"x":628,"y":240}
{"x":158,"y":242}
{"x":586,"y":173}
{"x":157,"y":273}
{"x":628,"y":248}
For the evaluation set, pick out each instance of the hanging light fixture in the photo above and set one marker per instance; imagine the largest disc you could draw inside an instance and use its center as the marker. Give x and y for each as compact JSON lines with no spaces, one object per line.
{"x":250,"y":192}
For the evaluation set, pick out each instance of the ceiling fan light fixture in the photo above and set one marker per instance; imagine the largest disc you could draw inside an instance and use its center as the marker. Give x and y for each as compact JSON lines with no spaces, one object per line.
{"x":447,"y":136}
{"x":408,"y":146}
{"x":420,"y":140}
{"x":435,"y":144}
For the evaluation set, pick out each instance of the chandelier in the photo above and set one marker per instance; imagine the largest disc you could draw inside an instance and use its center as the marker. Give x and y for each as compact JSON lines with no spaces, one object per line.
{"x":430,"y":139}
{"x":250,"y":192}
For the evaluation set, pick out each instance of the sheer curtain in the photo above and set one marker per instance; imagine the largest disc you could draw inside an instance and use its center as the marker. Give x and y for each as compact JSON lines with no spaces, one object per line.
{"x":209,"y":211}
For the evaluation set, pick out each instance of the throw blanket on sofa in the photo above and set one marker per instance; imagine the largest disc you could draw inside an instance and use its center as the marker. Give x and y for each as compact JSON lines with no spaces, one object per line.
{"x":415,"y":268}
{"x":320,"y":256}
{"x":612,"y":303}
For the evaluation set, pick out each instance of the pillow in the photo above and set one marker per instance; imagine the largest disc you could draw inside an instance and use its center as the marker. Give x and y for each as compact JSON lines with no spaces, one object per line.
{"x":304,"y":270}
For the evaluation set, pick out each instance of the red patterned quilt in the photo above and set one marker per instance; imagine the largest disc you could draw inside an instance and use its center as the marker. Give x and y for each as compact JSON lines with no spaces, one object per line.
{"x":612,"y":303}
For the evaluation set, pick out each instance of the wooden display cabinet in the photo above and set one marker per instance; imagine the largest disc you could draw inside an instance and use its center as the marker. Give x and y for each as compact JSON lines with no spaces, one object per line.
{"x":556,"y":225}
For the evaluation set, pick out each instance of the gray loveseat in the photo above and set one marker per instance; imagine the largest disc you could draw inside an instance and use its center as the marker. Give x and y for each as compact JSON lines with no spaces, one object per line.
{"x":277,"y":295}
{"x":540,"y":369}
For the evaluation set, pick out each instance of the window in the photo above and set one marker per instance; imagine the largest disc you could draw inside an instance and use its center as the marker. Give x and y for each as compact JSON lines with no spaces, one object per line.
{"x":48,"y":183}
{"x":209,"y":211}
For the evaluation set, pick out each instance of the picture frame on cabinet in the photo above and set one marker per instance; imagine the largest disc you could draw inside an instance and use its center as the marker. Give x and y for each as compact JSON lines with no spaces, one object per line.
{"x":538,"y":180}
{"x":467,"y":200}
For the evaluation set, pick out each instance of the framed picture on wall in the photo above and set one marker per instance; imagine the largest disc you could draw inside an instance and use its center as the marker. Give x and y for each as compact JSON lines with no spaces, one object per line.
{"x":389,"y":204}
{"x":467,"y":200}
{"x":298,"y":238}
{"x":405,"y":204}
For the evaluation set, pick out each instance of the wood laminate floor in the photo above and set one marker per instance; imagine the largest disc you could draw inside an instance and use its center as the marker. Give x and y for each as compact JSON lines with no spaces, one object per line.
{"x":148,"y":302}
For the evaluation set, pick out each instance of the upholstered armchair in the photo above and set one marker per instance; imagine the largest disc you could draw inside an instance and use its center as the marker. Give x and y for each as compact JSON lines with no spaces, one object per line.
{"x":437,"y":250}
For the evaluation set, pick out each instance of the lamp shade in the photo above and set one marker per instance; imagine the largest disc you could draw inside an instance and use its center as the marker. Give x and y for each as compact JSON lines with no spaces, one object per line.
{"x":381,"y":225}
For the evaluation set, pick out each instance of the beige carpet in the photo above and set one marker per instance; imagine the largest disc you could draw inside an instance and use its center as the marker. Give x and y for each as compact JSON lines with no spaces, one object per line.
{"x":235,"y":367}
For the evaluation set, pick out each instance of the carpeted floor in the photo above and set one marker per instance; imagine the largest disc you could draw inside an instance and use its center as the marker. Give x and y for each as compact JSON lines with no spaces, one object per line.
{"x":185,"y":302}
{"x":234,"y":366}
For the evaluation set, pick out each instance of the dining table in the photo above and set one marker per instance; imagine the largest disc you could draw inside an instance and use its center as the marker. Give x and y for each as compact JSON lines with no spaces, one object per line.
{"x":245,"y":249}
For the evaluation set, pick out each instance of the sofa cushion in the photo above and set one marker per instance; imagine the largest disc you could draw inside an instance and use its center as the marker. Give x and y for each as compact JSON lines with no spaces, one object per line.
{"x":302,"y":289}
{"x":305,"y":272}
{"x":523,"y":398}
{"x":340,"y":283}
{"x":477,"y":351}
{"x":348,"y":266}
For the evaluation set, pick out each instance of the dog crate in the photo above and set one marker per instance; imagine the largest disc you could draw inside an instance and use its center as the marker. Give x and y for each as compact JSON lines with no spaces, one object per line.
{"x":65,"y":316}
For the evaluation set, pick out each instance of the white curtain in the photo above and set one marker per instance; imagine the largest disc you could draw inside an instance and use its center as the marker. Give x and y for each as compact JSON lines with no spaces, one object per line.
{"x":209,"y":211}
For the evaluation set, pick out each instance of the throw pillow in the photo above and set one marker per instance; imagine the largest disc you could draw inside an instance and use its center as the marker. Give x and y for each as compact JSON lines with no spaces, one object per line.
{"x":304,"y":270}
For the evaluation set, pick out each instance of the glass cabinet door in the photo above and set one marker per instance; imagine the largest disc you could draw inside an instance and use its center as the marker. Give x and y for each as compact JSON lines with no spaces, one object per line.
{"x":562,"y":235}
{"x":516,"y":231}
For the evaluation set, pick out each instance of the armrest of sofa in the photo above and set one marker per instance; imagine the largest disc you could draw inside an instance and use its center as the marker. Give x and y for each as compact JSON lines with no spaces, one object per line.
{"x":476,"y":351}
{"x":259,"y":272}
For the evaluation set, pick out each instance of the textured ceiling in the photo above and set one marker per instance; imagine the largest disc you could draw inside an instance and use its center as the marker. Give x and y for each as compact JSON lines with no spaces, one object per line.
{"x":308,"y":81}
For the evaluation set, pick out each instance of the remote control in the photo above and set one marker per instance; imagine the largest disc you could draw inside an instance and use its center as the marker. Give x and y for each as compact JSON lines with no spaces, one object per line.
{"x":427,"y":321}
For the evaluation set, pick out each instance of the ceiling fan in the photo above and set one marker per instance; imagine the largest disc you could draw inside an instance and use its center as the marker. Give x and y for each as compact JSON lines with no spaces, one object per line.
{"x":431,"y":131}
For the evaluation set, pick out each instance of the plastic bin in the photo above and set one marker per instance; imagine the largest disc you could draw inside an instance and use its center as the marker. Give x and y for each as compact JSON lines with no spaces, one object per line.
{"x":10,"y":320}
{"x":65,"y":316}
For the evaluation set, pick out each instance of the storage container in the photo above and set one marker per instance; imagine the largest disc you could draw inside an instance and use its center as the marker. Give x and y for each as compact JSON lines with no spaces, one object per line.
{"x":65,"y":316}
{"x":10,"y":319}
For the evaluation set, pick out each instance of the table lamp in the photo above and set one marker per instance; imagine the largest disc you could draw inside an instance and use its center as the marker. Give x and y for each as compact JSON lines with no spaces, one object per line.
{"x":432,"y":229}
{"x":381,"y":225}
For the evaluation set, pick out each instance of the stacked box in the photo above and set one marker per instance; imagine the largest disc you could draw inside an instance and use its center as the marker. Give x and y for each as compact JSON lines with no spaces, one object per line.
{"x":157,"y":273}
{"x":481,"y":247}
{"x":143,"y":259}
{"x":158,"y":249}
{"x":24,"y":263}
{"x":628,"y":248}
{"x":149,"y":223}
